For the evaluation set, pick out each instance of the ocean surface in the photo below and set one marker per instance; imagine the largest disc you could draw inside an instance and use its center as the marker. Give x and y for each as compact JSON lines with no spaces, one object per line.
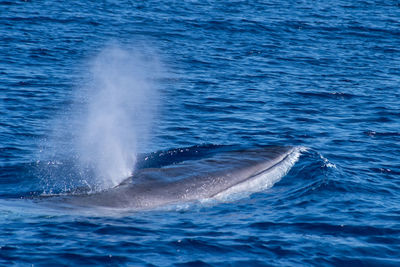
{"x":92,"y":90}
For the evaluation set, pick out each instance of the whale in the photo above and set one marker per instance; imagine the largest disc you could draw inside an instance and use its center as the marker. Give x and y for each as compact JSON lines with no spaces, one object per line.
{"x":195,"y":174}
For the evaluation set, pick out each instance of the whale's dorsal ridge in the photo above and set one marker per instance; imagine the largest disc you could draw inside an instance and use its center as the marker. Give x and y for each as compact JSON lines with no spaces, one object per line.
{"x":209,"y":175}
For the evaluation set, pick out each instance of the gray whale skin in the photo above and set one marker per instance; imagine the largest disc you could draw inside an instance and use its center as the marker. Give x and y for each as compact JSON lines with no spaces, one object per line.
{"x":214,"y":176}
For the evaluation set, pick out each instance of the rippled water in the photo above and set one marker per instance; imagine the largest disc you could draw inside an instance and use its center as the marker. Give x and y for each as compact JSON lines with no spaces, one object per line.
{"x":320,"y":75}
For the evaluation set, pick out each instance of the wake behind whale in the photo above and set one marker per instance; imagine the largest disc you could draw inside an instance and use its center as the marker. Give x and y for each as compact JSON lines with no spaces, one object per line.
{"x":194,"y":174}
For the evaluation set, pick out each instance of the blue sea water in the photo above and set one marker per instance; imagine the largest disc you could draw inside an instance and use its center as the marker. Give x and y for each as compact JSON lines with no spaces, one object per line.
{"x":321,"y":75}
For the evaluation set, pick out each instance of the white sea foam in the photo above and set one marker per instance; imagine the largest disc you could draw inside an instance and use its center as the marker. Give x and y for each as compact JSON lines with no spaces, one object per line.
{"x":263,"y":180}
{"x":327,"y":163}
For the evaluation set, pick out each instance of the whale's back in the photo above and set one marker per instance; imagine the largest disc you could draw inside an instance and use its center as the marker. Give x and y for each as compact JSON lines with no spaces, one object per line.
{"x":194,"y":179}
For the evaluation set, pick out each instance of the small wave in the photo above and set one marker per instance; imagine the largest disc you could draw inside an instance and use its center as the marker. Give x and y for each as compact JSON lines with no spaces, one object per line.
{"x":385,"y":171}
{"x":332,"y":95}
{"x":327,"y":163}
{"x":307,"y":177}
{"x":383,"y":134}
